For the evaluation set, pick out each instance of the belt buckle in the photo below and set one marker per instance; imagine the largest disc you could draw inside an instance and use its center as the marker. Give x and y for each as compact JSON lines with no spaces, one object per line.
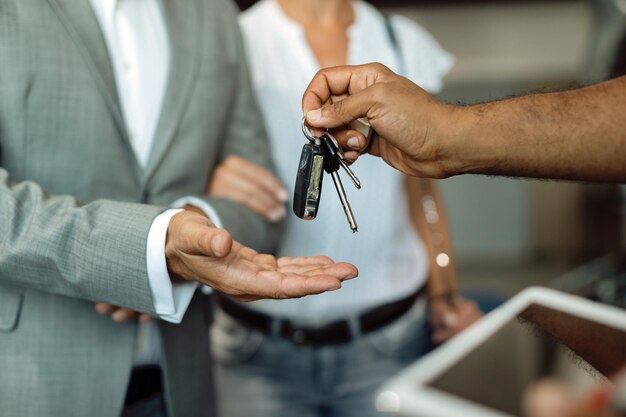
{"x":298,"y":336}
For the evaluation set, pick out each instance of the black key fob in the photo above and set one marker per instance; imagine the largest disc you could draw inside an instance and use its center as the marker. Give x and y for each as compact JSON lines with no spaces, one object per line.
{"x":309,"y":182}
{"x":331,"y":152}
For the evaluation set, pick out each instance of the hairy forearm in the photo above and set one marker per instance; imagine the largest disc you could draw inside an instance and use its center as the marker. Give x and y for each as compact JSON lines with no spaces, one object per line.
{"x":574,"y":135}
{"x":599,"y":345}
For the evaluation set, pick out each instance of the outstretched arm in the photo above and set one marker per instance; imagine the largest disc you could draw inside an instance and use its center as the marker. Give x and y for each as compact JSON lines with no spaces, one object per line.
{"x":97,"y":251}
{"x":576,"y":135}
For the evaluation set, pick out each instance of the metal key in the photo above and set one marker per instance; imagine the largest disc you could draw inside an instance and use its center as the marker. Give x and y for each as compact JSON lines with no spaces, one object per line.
{"x":333,"y":159}
{"x":334,"y":148}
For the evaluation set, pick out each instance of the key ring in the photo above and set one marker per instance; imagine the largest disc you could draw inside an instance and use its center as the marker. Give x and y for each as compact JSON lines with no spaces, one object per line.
{"x":307,"y":132}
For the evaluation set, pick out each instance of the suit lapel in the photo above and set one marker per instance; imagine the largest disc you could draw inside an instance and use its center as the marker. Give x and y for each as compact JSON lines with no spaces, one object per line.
{"x":183,"y":25}
{"x":80,"y":21}
{"x":82,"y":25}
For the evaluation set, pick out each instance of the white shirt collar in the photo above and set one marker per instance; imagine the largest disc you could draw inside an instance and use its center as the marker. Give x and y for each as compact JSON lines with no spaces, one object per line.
{"x":105,"y":8}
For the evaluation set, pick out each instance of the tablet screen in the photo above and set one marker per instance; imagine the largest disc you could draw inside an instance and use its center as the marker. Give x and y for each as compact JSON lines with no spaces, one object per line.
{"x":506,"y":371}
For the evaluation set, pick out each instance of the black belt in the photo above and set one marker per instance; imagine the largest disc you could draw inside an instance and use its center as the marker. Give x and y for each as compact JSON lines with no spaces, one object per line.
{"x":333,"y":333}
{"x":145,"y":382}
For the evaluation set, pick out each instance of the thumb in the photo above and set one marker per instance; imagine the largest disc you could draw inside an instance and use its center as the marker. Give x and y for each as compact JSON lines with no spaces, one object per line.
{"x":342,"y":112}
{"x":214,"y":242}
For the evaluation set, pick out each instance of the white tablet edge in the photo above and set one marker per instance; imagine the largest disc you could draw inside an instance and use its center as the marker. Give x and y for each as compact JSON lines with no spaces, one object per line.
{"x":408,"y":391}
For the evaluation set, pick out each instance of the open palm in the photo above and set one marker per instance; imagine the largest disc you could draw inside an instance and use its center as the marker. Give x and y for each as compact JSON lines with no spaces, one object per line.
{"x":198,"y":251}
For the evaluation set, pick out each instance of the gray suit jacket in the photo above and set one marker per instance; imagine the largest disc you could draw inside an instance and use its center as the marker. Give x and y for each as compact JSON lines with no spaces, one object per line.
{"x":75,"y":206}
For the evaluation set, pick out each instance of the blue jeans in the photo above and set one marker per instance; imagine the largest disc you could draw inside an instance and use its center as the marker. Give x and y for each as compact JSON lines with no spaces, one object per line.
{"x":269,"y":376}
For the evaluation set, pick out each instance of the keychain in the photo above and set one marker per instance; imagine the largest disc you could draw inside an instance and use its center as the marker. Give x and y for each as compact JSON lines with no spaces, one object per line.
{"x":318,"y":155}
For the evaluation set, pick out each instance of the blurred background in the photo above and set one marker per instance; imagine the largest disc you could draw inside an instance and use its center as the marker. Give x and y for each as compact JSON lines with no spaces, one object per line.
{"x":511,"y":233}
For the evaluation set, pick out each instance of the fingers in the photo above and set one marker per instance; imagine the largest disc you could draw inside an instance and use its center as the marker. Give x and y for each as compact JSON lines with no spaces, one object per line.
{"x":442,"y":335}
{"x":295,"y":281}
{"x":251,"y":185}
{"x":295,"y":286}
{"x":120,"y":314}
{"x":444,"y":327}
{"x":341,"y":270}
{"x":342,"y":112}
{"x":339,"y":81}
{"x":105,"y":309}
{"x":469,"y":313}
{"x":267,"y":261}
{"x":443,"y":319}
{"x":315,"y":281}
{"x":246,"y":275}
{"x":299,"y":269}
{"x":144,"y":318}
{"x":257,"y":199}
{"x":312,"y":277}
{"x":467,"y":310}
{"x":317,"y":269}
{"x":352,"y":142}
{"x":450,"y":318}
{"x":305,"y":260}
{"x":259,"y":176}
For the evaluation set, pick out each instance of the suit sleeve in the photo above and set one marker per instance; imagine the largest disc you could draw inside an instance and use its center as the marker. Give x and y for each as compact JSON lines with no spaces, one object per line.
{"x":55,"y":244}
{"x":245,"y":136}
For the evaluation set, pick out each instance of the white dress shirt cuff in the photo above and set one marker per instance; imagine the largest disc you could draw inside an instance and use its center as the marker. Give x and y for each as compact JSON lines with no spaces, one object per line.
{"x":210,"y":212}
{"x":170,"y":301}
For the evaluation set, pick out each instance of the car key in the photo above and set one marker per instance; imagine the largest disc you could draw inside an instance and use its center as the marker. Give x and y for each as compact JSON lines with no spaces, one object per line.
{"x":334,"y":151}
{"x":333,"y":159}
{"x":310,"y":176}
{"x":309,"y":179}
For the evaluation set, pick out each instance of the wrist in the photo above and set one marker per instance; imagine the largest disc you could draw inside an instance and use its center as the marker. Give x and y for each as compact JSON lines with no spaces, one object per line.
{"x":171,"y":253}
{"x":470,"y":146}
{"x":441,"y":152}
{"x":453,"y":144}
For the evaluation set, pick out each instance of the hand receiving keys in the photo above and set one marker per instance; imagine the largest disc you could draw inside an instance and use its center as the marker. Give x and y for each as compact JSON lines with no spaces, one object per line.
{"x":198,"y":251}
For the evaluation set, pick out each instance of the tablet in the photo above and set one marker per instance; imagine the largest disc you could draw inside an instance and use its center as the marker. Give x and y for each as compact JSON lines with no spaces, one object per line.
{"x":488,"y":369}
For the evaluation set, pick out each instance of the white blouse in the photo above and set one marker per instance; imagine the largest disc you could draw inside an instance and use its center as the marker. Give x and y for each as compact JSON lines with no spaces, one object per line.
{"x":391,"y":258}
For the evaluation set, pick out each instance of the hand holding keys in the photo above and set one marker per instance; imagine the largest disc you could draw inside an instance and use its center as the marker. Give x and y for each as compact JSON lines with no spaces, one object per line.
{"x":321,"y":154}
